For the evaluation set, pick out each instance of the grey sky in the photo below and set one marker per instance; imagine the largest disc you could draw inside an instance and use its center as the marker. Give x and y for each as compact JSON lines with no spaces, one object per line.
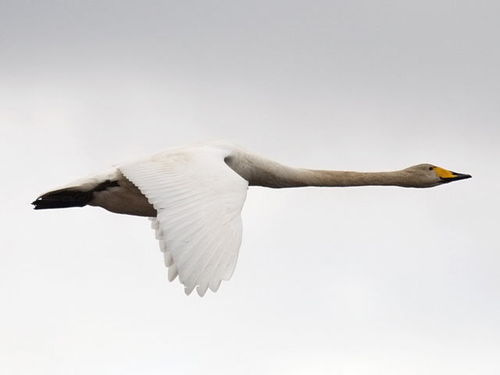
{"x":329,"y":281}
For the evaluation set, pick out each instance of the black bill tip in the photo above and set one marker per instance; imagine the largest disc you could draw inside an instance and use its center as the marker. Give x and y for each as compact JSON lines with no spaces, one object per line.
{"x":461,"y":176}
{"x":456,"y":177}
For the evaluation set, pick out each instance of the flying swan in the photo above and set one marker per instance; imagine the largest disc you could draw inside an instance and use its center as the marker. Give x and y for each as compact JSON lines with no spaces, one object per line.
{"x":194,"y":196}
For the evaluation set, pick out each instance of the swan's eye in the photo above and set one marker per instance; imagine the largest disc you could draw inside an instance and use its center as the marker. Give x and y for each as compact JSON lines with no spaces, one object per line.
{"x":431,"y":168}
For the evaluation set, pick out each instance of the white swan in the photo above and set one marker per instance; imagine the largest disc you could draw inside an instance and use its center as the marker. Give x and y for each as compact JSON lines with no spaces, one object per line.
{"x":194,"y":196}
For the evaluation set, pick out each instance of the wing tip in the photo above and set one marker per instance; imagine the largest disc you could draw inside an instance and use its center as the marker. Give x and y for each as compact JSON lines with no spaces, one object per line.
{"x":172,"y":272}
{"x":167,"y":258}
{"x":201,"y":290}
{"x":214,"y":287}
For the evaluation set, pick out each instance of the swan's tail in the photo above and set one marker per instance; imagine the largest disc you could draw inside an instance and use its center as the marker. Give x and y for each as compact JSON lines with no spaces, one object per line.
{"x":62,"y":198}
{"x":74,"y":196}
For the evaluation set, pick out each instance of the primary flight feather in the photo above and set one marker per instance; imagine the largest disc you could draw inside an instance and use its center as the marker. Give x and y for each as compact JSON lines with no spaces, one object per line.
{"x":194,"y":196}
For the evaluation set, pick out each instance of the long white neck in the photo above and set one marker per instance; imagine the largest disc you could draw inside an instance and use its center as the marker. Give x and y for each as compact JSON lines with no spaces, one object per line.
{"x":263,"y":172}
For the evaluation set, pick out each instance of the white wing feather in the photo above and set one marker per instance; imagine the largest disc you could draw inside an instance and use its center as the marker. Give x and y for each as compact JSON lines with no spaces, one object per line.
{"x":199,"y":200}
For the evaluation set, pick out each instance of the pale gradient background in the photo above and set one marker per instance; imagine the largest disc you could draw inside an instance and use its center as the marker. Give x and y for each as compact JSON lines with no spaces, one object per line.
{"x":359,"y":281}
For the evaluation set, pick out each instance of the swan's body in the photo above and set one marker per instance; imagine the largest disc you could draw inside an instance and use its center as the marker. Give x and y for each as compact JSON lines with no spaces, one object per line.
{"x":194,"y":196}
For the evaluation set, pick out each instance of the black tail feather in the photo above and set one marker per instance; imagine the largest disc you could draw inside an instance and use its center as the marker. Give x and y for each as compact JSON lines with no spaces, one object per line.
{"x":63,"y":198}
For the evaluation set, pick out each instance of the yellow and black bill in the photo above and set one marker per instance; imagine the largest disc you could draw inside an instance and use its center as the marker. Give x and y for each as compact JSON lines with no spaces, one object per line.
{"x":449,"y":176}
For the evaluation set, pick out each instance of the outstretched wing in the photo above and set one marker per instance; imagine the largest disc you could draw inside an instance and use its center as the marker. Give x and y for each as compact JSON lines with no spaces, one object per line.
{"x":199,"y":200}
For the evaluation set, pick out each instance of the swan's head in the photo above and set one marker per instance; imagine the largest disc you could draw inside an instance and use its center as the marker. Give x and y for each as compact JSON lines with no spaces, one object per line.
{"x":429,"y":175}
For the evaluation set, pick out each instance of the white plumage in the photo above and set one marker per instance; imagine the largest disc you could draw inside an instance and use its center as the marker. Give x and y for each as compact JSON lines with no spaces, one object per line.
{"x":194,"y":198}
{"x":198,"y":199}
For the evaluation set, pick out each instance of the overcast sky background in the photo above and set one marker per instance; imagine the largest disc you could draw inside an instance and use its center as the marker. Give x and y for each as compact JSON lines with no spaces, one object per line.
{"x":348,"y":281}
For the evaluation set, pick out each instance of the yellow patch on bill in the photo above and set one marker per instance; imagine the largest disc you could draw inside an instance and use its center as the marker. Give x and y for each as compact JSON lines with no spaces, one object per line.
{"x":444,"y":173}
